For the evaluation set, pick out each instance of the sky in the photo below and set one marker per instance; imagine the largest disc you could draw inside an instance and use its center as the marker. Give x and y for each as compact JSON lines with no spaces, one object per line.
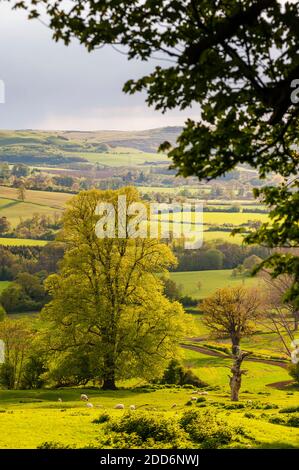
{"x":53,"y":87}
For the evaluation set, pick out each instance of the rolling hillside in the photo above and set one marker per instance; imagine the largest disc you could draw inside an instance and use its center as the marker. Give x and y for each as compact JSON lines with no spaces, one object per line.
{"x":65,"y":147}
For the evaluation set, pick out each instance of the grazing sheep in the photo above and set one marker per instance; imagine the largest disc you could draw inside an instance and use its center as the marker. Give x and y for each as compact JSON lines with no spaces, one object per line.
{"x":84,"y":397}
{"x":60,"y":400}
{"x":193,"y":398}
{"x":203,"y":393}
{"x":119,"y":406}
{"x":89,"y":405}
{"x":174,"y":405}
{"x":132,"y":407}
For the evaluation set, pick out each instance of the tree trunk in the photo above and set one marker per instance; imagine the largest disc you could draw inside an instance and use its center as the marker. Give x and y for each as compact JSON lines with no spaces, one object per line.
{"x":235,"y":380}
{"x":235,"y":345}
{"x":296,"y":320}
{"x":109,"y":384}
{"x":109,"y":373}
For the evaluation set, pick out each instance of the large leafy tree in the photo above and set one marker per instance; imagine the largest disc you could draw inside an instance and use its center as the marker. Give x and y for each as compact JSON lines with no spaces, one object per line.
{"x":237,"y":59}
{"x":107,"y":302}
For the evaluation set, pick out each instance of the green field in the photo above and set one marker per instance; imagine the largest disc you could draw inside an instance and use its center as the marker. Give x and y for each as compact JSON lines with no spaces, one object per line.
{"x":5,"y":202}
{"x":23,"y":210}
{"x":214,"y":371}
{"x":234,"y":218}
{"x":122,"y":157}
{"x":220,"y":218}
{"x":51,"y":203}
{"x":22,"y":242}
{"x":212,"y":220}
{"x":36,"y":202}
{"x":210,"y":281}
{"x":171,"y":190}
{"x":31,"y":418}
{"x":212,"y":235}
{"x":50,"y":199}
{"x":3,"y":285}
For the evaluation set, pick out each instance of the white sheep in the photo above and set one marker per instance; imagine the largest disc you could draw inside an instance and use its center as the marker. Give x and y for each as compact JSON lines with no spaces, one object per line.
{"x":193,"y":398}
{"x":60,"y":400}
{"x":119,"y":406}
{"x":84,"y":397}
{"x":89,"y":405}
{"x":132,"y":407}
{"x":203,"y":393}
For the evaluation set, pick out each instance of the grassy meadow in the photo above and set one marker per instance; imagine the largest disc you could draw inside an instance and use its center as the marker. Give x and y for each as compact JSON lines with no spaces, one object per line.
{"x":49,"y":199}
{"x":219,"y":218}
{"x":21,"y":242}
{"x":268,"y":399}
{"x":3,"y":285}
{"x":119,"y":156}
{"x":36,"y":202}
{"x":28,"y":419}
{"x":209,"y":280}
{"x":212,"y":235}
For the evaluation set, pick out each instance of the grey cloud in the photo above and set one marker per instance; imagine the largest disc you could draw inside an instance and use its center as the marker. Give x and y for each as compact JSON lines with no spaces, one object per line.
{"x":49,"y":84}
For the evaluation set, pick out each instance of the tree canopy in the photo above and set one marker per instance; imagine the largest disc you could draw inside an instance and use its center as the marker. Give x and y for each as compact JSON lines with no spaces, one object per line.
{"x":108,"y":306}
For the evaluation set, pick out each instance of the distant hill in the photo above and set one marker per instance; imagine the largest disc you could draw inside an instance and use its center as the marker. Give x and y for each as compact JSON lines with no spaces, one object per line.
{"x":146,"y":141}
{"x":34,"y":146}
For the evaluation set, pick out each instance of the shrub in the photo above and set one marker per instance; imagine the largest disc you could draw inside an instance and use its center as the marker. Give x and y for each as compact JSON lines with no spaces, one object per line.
{"x":289,"y":409}
{"x":235,"y":406}
{"x":176,"y":374}
{"x":276,"y":420}
{"x":201,"y":399}
{"x":7,"y":375}
{"x":189,"y":403}
{"x":173,"y":373}
{"x":293,"y":421}
{"x":188,"y":301}
{"x":147,"y":427}
{"x":122,"y":441}
{"x":270,"y":406}
{"x":53,"y":445}
{"x":206,"y":429}
{"x":190,"y":378}
{"x":103,"y":418}
{"x":33,"y":371}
